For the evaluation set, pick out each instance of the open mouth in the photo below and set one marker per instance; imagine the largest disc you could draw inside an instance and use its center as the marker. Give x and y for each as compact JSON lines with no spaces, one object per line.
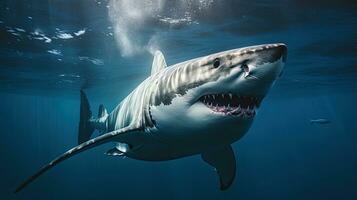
{"x":231,"y":104}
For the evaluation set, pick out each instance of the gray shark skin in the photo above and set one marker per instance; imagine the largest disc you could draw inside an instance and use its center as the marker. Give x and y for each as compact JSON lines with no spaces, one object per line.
{"x":200,"y":106}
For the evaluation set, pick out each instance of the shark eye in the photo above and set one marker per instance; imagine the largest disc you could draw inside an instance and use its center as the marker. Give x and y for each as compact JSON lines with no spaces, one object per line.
{"x":245,"y":67}
{"x":216,"y":63}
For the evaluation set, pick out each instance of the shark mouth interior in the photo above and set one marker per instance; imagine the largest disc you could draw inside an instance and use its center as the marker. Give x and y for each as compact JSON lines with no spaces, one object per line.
{"x":231,"y":104}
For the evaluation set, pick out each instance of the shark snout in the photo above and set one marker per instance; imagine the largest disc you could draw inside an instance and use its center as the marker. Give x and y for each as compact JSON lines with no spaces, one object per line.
{"x":270,"y":60}
{"x":282,"y":51}
{"x":267,"y":63}
{"x":272,"y":52}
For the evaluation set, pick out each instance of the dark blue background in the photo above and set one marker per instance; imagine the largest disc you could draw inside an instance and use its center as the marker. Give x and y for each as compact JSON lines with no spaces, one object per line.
{"x":283,"y":156}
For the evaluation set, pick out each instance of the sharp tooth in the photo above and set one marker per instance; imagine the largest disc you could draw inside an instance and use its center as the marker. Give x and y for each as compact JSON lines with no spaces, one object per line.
{"x":230,"y":95}
{"x":213,"y":96}
{"x":222,"y":95}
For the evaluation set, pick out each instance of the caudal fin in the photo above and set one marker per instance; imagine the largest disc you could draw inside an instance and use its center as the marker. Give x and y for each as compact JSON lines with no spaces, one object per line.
{"x":78,"y":149}
{"x":85,"y":129}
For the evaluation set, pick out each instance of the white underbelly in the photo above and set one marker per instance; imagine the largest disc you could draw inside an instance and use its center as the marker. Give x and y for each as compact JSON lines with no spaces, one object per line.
{"x":162,"y":145}
{"x":181,"y":130}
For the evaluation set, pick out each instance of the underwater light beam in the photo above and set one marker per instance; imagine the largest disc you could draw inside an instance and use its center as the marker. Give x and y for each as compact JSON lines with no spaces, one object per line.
{"x":130,"y":18}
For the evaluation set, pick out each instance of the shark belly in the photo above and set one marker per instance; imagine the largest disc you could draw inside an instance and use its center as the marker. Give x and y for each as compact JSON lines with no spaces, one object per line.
{"x":177,"y":134}
{"x":162,"y":145}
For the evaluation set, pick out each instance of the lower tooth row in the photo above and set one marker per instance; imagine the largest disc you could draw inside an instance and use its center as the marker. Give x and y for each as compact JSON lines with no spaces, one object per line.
{"x":249,"y":109}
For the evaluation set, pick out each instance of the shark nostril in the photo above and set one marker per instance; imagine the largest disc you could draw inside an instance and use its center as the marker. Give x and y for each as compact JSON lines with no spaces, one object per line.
{"x":245,"y":67}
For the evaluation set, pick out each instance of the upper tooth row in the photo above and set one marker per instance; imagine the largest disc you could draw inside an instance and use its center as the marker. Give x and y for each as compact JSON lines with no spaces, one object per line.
{"x":239,"y":108}
{"x":230,"y":96}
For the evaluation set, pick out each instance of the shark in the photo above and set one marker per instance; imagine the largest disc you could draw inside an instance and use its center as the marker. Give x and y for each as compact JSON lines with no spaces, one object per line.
{"x":197,"y":107}
{"x":319,"y":121}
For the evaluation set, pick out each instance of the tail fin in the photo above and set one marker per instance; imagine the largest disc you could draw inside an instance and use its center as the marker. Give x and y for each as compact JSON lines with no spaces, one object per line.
{"x":85,"y":129}
{"x":78,"y":149}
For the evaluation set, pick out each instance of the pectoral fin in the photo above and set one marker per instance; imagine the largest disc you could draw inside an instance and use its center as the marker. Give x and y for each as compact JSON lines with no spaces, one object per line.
{"x":223,"y":160}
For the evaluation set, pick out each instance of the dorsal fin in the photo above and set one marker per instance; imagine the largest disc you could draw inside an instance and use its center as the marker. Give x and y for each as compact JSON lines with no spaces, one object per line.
{"x":159,"y":62}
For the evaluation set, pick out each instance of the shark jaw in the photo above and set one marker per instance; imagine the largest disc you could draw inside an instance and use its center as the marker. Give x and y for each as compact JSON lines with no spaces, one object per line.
{"x":229,"y":104}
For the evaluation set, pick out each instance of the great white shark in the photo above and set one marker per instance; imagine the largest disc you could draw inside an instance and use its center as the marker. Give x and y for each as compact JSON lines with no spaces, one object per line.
{"x":200,"y":106}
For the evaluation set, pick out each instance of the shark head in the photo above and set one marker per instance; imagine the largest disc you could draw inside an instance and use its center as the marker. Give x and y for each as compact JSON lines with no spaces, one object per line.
{"x":242,"y":78}
{"x":222,"y":91}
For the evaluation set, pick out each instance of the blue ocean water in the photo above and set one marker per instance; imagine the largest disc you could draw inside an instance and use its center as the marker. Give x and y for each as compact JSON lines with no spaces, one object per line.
{"x":51,"y":49}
